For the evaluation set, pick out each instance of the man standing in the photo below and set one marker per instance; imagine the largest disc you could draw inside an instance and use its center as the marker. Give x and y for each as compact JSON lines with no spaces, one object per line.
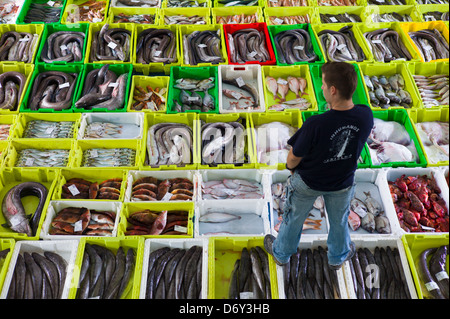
{"x":323,"y":160}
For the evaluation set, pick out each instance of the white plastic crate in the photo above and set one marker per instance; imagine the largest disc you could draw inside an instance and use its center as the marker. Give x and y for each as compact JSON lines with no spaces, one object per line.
{"x":250,"y":74}
{"x":371,"y":244}
{"x":128,"y":120}
{"x":57,"y":205}
{"x":154,"y":244}
{"x":67,"y":249}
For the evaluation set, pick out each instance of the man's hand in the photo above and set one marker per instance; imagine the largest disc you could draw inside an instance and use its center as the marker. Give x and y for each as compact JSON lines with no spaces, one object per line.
{"x":292,"y":161}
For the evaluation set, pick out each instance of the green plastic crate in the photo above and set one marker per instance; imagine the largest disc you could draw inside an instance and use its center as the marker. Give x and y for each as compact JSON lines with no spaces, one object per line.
{"x":414,"y":246}
{"x":26,"y":6}
{"x":359,"y":97}
{"x":113,"y":244}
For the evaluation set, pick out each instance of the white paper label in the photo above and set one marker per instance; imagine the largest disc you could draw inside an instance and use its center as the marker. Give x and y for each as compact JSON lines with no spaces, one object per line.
{"x":113,"y":85}
{"x":51,"y":3}
{"x":64,"y":85}
{"x":181,"y":229}
{"x":167,"y":197}
{"x":29,"y":162}
{"x":299,"y":47}
{"x":112,"y":45}
{"x":86,"y":7}
{"x":73,"y":190}
{"x":340,"y":47}
{"x":333,"y":19}
{"x":235,"y":95}
{"x":63,"y":47}
{"x":240,"y":82}
{"x":157,"y":53}
{"x":49,"y":130}
{"x":376,"y":41}
{"x":202,"y":45}
{"x":246,"y":295}
{"x":431,"y":286}
{"x":253,"y":53}
{"x":96,"y":20}
{"x":429,"y":17}
{"x":282,"y":81}
{"x":428,"y":47}
{"x":23,"y":40}
{"x":193,"y":98}
{"x":278,"y":21}
{"x":441,"y":275}
{"x":78,"y":226}
{"x":380,"y":1}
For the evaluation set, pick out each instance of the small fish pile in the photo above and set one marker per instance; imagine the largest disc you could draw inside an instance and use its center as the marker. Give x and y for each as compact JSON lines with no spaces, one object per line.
{"x":436,"y":16}
{"x":186,"y":4}
{"x":103,"y":89}
{"x":337,"y":3}
{"x":152,"y":223}
{"x":435,"y":140}
{"x":109,"y":157}
{"x":237,"y":18}
{"x":44,"y":12}
{"x":223,"y":143}
{"x":388,"y":91}
{"x":378,"y":275}
{"x":238,"y":97}
{"x":32,"y":157}
{"x":52,"y":90}
{"x":175,"y":273}
{"x":390,"y":142}
{"x":248,"y":44}
{"x":280,"y":88}
{"x":104,"y":275}
{"x":38,"y":276}
{"x":194,"y":100}
{"x":232,"y":189}
{"x":111,"y":44}
{"x":386,"y":45}
{"x":391,"y":17}
{"x":170,"y":144}
{"x":232,"y":3}
{"x":271,"y":142}
{"x":369,"y":215}
{"x":135,"y":18}
{"x":82,"y":221}
{"x":288,"y":3}
{"x":151,"y":189}
{"x":432,"y":2}
{"x":139,"y":3}
{"x":341,"y":45}
{"x":307,"y":276}
{"x":90,"y":11}
{"x":387,"y":2}
{"x":12,"y":84}
{"x":63,"y":46}
{"x":433,"y":89}
{"x":8,"y":12}
{"x":48,"y":129}
{"x":250,"y":278}
{"x":431,"y":44}
{"x":294,"y":46}
{"x":149,"y":99}
{"x":156,"y":46}
{"x":433,"y":274}
{"x":18,"y":46}
{"x":418,"y":204}
{"x":79,"y":188}
{"x":202,"y":47}
{"x":4,"y":131}
{"x":339,"y":18}
{"x":184,"y":19}
{"x":297,"y":19}
{"x":103,"y":130}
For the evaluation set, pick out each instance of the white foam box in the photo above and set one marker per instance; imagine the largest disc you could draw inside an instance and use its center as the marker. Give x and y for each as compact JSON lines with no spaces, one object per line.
{"x":67,"y":249}
{"x":278,"y":176}
{"x":127,"y":119}
{"x":250,"y":210}
{"x":442,"y":175}
{"x":57,"y":205}
{"x":311,"y":243}
{"x":183,"y":243}
{"x":371,"y":244}
{"x":252,"y":175}
{"x":391,"y":174}
{"x":250,"y":74}
{"x":160,"y":175}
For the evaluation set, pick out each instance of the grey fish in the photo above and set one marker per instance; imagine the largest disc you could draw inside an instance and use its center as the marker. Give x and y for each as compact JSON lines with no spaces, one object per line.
{"x":233,"y":292}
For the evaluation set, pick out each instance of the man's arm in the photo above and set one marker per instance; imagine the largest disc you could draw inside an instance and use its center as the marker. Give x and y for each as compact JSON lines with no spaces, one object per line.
{"x":292,"y":161}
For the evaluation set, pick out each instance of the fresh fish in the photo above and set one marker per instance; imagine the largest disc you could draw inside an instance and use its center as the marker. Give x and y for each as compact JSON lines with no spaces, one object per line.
{"x":358,"y":207}
{"x":382,"y":224}
{"x":368,"y":222}
{"x":373,"y":206}
{"x":354,"y":221}
{"x":217,"y":217}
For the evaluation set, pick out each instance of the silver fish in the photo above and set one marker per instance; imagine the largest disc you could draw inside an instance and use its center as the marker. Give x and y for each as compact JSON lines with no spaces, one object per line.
{"x":217,"y":217}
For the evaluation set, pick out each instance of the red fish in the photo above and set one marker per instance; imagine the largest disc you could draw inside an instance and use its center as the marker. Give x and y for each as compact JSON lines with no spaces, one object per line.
{"x":159,"y":224}
{"x":400,"y":182}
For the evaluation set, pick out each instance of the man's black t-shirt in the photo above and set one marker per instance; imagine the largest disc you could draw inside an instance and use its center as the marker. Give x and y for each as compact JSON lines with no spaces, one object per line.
{"x":330,"y":145}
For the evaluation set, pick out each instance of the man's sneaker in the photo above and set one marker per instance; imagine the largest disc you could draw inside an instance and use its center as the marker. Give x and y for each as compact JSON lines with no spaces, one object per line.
{"x":268,"y":244}
{"x":349,"y":256}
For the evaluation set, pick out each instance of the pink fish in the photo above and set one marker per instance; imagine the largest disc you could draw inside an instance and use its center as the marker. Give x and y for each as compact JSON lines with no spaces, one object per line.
{"x":234,"y":94}
{"x":354,"y":221}
{"x":302,"y":84}
{"x":272,"y":86}
{"x":294,"y":85}
{"x":283,"y":89}
{"x":159,"y":224}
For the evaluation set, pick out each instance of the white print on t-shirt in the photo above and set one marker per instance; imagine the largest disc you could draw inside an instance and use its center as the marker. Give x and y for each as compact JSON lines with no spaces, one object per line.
{"x":340,"y":141}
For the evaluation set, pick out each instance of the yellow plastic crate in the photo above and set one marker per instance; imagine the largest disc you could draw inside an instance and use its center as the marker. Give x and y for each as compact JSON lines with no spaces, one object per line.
{"x":73,"y":6}
{"x":5,"y":243}
{"x":188,"y":12}
{"x":24,"y":118}
{"x":130,"y":208}
{"x":113,"y":244}
{"x":283,"y":72}
{"x":429,"y":115}
{"x":216,"y":4}
{"x":25,"y":69}
{"x":28,"y":28}
{"x":223,"y":253}
{"x":11,"y":120}
{"x":4,"y":148}
{"x":416,"y":26}
{"x":10,"y":177}
{"x":156,"y":67}
{"x":96,"y":27}
{"x":148,"y":81}
{"x":218,"y":12}
{"x":278,"y":12}
{"x":85,"y":173}
{"x":388,"y":69}
{"x":293,"y":118}
{"x":151,"y":119}
{"x":114,"y":11}
{"x":231,"y":117}
{"x":208,"y":3}
{"x":410,"y":10}
{"x":188,"y":29}
{"x":335,"y":10}
{"x":424,"y":8}
{"x":274,"y":3}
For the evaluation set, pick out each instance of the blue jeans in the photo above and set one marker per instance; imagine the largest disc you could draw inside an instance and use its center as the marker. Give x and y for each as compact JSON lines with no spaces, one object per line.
{"x":299,"y":202}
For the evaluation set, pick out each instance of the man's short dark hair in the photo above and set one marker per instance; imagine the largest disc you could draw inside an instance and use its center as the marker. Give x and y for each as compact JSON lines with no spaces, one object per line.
{"x":342,"y":76}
